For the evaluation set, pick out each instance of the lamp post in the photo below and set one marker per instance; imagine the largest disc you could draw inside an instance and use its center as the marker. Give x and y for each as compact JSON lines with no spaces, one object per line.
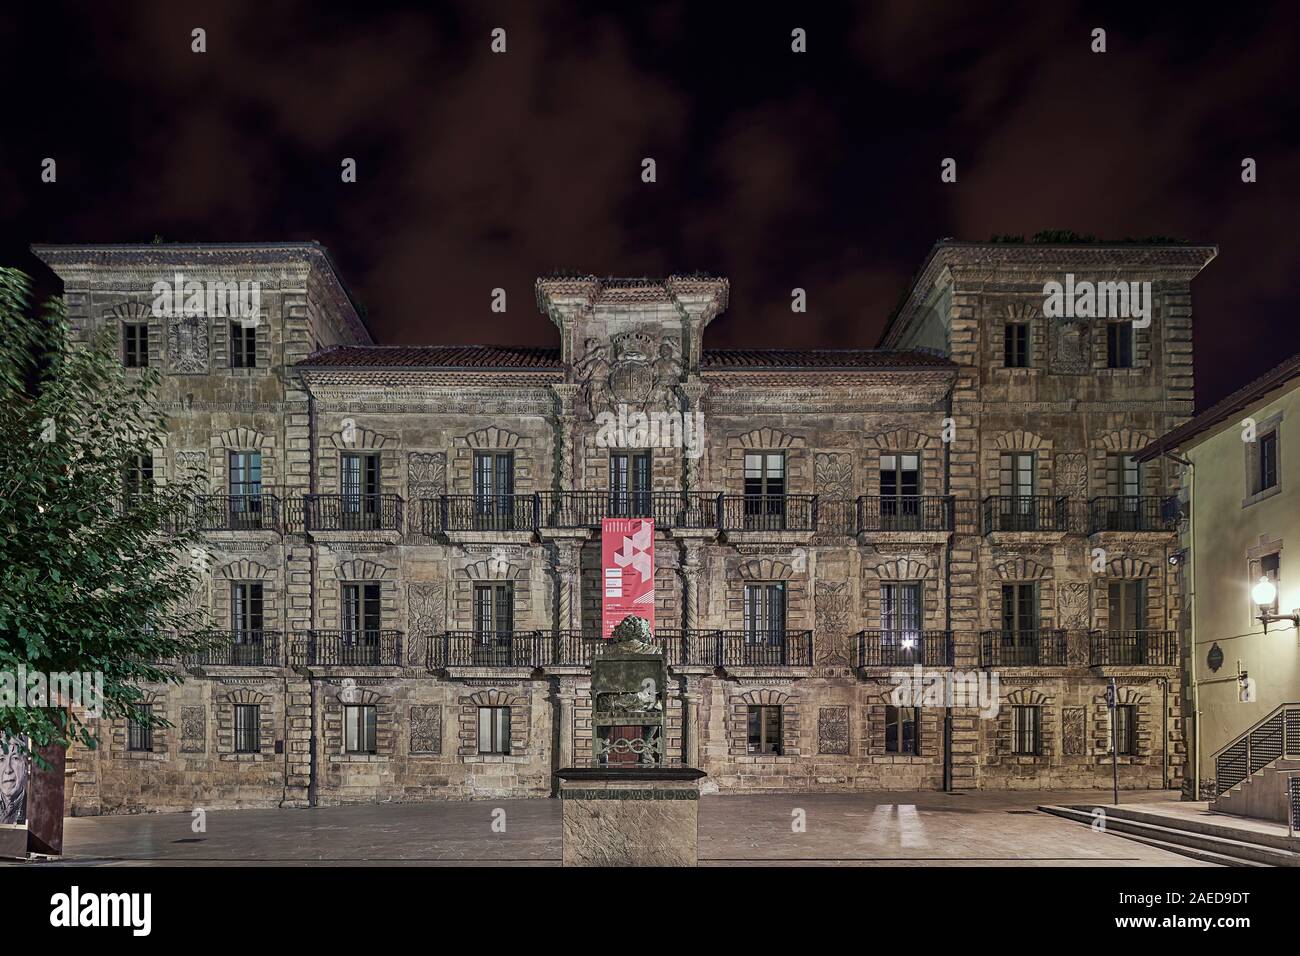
{"x":1264,"y":593}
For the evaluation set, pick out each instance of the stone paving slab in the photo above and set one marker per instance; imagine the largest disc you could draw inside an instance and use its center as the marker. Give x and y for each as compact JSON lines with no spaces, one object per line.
{"x":868,"y":829}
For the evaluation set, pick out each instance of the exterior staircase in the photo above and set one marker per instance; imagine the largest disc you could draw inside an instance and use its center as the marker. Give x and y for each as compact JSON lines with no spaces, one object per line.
{"x":1254,"y":773}
{"x":1201,"y":839}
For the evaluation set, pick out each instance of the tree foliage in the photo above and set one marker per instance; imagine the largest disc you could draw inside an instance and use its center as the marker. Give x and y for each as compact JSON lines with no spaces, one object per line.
{"x":93,"y":578}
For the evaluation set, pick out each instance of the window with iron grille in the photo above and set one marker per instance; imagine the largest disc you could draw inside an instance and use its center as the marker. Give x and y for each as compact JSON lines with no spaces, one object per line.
{"x":359,"y":722}
{"x":1016,"y":345}
{"x":139,"y":731}
{"x":1119,"y":344}
{"x":1026,"y":730}
{"x":764,"y":727}
{"x":494,"y":483}
{"x":135,"y":344}
{"x":360,"y":488}
{"x":493,"y":610}
{"x":1126,"y":729}
{"x":494,"y":730}
{"x":243,"y":345}
{"x":902,"y":726}
{"x":248,"y":728}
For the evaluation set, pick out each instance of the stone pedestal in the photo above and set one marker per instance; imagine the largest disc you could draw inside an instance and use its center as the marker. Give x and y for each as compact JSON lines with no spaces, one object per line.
{"x":630,"y":817}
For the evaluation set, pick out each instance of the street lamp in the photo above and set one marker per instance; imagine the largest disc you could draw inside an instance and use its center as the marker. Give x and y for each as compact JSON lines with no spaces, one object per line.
{"x":1264,"y":593}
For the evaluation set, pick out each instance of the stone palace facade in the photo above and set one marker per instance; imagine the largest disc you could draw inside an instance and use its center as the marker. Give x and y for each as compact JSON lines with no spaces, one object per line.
{"x":405,"y":556}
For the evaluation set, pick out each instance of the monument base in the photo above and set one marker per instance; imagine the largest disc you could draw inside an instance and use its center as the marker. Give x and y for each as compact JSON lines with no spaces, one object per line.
{"x":630,"y":817}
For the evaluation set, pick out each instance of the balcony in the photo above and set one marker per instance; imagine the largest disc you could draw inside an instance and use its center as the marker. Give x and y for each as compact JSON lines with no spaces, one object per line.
{"x":1024,"y":648}
{"x":490,"y":513}
{"x":1133,"y":648}
{"x":238,"y":649}
{"x":768,"y":512}
{"x":586,"y":509}
{"x":575,"y":648}
{"x":903,"y":648}
{"x":905,"y":513}
{"x":348,"y":649}
{"x":491,"y":649}
{"x":360,"y":512}
{"x":1132,"y":513}
{"x":246,"y":512}
{"x":1026,"y":513}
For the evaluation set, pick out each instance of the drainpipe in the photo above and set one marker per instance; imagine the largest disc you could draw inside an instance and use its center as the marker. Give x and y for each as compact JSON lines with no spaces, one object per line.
{"x":1191,"y":619}
{"x":947,"y":610}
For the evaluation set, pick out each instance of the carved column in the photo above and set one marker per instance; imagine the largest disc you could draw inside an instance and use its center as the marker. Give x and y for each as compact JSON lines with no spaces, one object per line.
{"x":565,"y":695}
{"x":565,"y":428}
{"x":568,"y":585}
{"x":692,"y":395}
{"x":691,"y":566}
{"x":691,"y":721}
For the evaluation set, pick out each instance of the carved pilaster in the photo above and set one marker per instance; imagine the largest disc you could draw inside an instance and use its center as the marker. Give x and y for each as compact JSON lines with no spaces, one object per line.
{"x":565,"y":422}
{"x":691,"y":567}
{"x":567,"y":584}
{"x":692,"y":394}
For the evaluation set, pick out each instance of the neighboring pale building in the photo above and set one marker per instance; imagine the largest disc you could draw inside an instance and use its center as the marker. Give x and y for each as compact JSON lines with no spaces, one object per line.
{"x":1241,"y":491}
{"x":406,"y":554}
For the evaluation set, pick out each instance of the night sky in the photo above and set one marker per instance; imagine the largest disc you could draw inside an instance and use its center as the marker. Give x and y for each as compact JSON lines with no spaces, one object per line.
{"x":775,"y":169}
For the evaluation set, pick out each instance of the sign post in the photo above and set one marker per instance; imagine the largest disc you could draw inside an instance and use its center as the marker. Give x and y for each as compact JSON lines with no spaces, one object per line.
{"x":1112,"y":702}
{"x":627,"y":549}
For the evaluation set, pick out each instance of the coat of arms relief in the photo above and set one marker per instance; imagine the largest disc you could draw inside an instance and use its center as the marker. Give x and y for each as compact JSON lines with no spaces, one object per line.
{"x":639,"y":368}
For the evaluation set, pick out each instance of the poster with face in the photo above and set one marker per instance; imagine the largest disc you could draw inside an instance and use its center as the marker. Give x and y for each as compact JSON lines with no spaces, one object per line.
{"x":13,"y":781}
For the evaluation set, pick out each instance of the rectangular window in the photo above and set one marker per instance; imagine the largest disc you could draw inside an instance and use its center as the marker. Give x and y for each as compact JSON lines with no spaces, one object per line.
{"x":139,"y":732}
{"x":1026,"y":730}
{"x":1020,"y":638}
{"x":246,"y":611}
{"x":1017,"y":510}
{"x":629,"y":484}
{"x":494,"y":730}
{"x":248,"y":728}
{"x":900,"y":489}
{"x":361,"y":612}
{"x":135,"y":344}
{"x":243,"y":345}
{"x":900,"y":623}
{"x":359,"y":485}
{"x":244,"y":476}
{"x":1128,"y":605}
{"x":764,"y":730}
{"x":1119,"y":344}
{"x":494,"y":487}
{"x":493,"y":611}
{"x":359,"y":728}
{"x":1126,"y":729}
{"x":1016,"y":351}
{"x":901,"y":725}
{"x":1267,"y":477}
{"x":138,"y":477}
{"x":765,"y":489}
{"x":764,"y":619}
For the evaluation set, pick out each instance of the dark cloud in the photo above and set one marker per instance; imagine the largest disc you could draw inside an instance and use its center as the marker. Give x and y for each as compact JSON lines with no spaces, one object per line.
{"x":818,"y":171}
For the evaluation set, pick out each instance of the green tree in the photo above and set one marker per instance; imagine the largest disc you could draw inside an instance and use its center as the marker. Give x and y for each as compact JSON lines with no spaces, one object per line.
{"x":96,"y":573}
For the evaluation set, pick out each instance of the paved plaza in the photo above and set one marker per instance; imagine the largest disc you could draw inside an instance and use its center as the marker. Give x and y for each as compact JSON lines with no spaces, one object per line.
{"x":867,"y":829}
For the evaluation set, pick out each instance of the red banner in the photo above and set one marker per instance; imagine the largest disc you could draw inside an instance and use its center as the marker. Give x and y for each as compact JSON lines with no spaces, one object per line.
{"x":627,"y":552}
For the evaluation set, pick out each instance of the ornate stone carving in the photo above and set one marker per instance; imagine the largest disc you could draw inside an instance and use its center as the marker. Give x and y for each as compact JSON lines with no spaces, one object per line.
{"x":1074,"y":730}
{"x":193,"y":730}
{"x":426,"y":606}
{"x":1071,"y":346}
{"x":832,"y":605}
{"x":1072,"y":604}
{"x":187,"y":343}
{"x":640,"y":369}
{"x":833,"y":730}
{"x":193,"y":465}
{"x":834,"y":475}
{"x":426,"y":474}
{"x":1072,"y":475}
{"x":426,"y":729}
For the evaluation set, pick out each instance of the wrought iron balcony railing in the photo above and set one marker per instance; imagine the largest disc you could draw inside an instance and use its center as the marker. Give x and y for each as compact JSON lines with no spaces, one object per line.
{"x":491,"y":649}
{"x":586,"y":509}
{"x":348,"y":512}
{"x":905,"y":513}
{"x":1023,"y":648}
{"x":238,"y":649}
{"x":1132,"y":513}
{"x":1026,"y":513}
{"x":480,"y":513}
{"x":777,"y":648}
{"x":246,"y":512}
{"x":347,"y":648}
{"x":1155,"y":648}
{"x":901,"y":647}
{"x":769,"y":512}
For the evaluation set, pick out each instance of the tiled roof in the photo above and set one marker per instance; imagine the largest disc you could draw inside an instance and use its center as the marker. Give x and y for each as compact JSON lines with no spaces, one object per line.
{"x":514,"y":357}
{"x":1227,"y":408}
{"x":720,"y":359}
